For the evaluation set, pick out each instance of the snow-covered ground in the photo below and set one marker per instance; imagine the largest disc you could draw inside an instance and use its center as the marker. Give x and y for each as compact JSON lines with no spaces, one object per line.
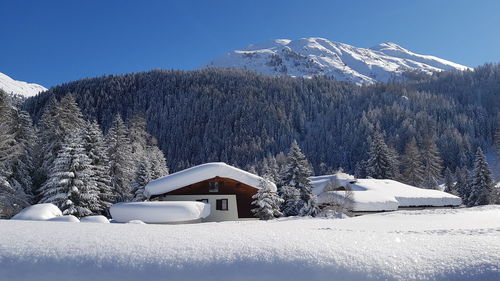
{"x":451,"y":244}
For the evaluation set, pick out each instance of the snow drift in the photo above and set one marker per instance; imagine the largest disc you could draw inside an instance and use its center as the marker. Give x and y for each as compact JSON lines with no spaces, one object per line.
{"x":160,"y":212}
{"x":95,"y":219}
{"x":66,"y":218}
{"x":39,"y":212}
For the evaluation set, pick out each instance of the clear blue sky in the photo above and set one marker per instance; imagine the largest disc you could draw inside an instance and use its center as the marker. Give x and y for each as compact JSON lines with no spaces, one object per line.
{"x":51,"y":42}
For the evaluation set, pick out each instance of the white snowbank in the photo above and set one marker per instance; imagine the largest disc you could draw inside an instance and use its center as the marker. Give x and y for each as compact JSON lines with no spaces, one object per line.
{"x":67,"y":218}
{"x":160,"y":212}
{"x":136,"y":222}
{"x":95,"y":219}
{"x":39,"y":212}
{"x":382,"y":195}
{"x":200,"y":173}
{"x":446,"y":244}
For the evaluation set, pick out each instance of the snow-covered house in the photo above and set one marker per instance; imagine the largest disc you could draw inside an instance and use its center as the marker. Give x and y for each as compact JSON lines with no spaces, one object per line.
{"x":227,"y":189}
{"x":376,"y":195}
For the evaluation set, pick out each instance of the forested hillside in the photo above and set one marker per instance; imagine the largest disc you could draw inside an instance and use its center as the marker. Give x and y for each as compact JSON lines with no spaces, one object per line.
{"x":240,"y":117}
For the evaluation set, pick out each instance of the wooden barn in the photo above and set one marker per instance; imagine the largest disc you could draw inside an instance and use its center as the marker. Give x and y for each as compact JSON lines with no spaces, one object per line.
{"x":227,"y":189}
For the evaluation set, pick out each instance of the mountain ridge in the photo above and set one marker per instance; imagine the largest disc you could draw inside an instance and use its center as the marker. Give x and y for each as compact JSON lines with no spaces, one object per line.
{"x":314,"y":56}
{"x":21,"y":88}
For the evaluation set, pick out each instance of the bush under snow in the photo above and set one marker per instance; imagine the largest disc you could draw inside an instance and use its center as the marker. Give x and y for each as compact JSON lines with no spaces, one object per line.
{"x":39,"y":212}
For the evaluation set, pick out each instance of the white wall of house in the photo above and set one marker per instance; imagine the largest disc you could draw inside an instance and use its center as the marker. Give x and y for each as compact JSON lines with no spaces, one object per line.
{"x":231,"y":214}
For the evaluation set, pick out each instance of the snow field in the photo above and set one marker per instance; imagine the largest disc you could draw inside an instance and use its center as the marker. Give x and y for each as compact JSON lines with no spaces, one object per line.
{"x":458,"y":244}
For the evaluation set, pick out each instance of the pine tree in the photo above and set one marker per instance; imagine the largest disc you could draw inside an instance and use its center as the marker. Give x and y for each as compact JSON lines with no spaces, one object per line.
{"x":381,"y":163}
{"x":412,"y":170}
{"x":70,"y":184}
{"x":291,"y":200}
{"x":266,"y":201}
{"x":143,"y":177}
{"x":433,"y":164}
{"x":157,"y":161}
{"x":273,"y":170}
{"x":122,"y":167}
{"x":15,"y":165}
{"x":497,"y":141}
{"x":96,"y":150}
{"x":449,"y":182}
{"x":463,"y":184}
{"x":296,"y":175}
{"x":482,"y":181}
{"x":59,"y":120}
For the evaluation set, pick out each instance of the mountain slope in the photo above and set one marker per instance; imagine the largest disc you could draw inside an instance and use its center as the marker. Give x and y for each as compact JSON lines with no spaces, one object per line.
{"x":240,"y":117}
{"x":318,"y":56}
{"x":21,"y":88}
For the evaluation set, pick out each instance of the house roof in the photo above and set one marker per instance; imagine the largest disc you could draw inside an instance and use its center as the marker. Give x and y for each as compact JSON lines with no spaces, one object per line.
{"x":382,"y":195}
{"x":200,"y":173}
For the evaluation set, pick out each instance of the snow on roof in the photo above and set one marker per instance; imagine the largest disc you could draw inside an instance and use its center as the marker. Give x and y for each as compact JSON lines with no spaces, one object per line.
{"x":382,"y":195}
{"x":159,"y":211}
{"x":200,"y":173}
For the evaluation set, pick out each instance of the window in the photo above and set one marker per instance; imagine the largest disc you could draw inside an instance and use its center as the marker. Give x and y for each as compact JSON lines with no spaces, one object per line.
{"x":221,"y":204}
{"x":213,"y":186}
{"x":203,"y":200}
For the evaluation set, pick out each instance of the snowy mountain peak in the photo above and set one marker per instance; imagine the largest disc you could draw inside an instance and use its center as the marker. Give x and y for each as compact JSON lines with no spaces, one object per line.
{"x":319,"y":56}
{"x":21,"y":88}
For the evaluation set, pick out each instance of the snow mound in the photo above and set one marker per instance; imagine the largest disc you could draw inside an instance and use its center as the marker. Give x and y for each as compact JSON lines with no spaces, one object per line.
{"x":39,"y":212}
{"x":95,"y":219}
{"x":67,"y":218}
{"x":160,"y":212}
{"x":306,"y":57}
{"x":382,"y":195}
{"x":11,"y":86}
{"x":136,"y":222}
{"x":200,"y":173}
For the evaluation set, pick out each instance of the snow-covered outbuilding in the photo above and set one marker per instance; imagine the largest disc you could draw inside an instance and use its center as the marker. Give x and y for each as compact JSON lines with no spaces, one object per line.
{"x":377,"y":195}
{"x":227,"y":189}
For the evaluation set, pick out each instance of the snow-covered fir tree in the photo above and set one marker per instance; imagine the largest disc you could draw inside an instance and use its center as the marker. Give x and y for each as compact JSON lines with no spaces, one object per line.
{"x":266,"y":201}
{"x":496,"y":142}
{"x":433,"y":164}
{"x":122,"y":165}
{"x":96,"y":149}
{"x":157,"y":161}
{"x":382,"y":163}
{"x":291,"y":200}
{"x":296,"y":175}
{"x":412,"y":166}
{"x":16,"y":142}
{"x":142,"y":177}
{"x":449,"y":182}
{"x":59,"y":120}
{"x":482,"y":181}
{"x":70,"y":184}
{"x":463,"y":184}
{"x":272,"y":170}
